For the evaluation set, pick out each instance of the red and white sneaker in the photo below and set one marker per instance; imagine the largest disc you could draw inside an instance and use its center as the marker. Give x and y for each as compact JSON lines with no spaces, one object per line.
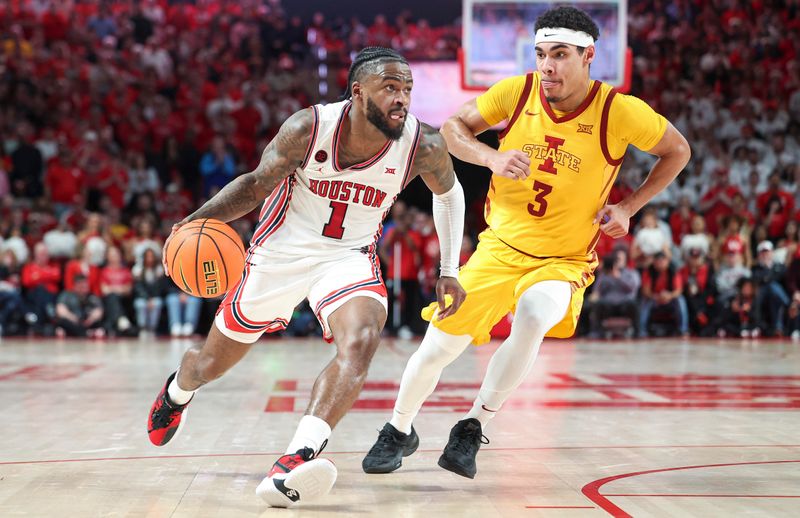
{"x":296,"y":477}
{"x":166,"y":418}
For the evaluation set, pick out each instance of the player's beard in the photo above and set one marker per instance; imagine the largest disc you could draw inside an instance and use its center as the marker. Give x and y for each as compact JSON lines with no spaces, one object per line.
{"x":381,"y":121}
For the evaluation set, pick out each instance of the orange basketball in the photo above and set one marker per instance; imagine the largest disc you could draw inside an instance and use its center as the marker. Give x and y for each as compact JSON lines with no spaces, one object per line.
{"x":205,"y":258}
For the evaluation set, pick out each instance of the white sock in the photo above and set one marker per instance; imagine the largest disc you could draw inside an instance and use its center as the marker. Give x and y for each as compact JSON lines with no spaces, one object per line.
{"x":540,"y":307}
{"x":312,"y":432}
{"x":176,"y":394}
{"x":437,"y":350}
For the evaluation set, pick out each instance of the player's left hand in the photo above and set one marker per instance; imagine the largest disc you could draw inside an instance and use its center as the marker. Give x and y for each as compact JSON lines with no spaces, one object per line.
{"x":614,"y":221}
{"x":449,"y":286}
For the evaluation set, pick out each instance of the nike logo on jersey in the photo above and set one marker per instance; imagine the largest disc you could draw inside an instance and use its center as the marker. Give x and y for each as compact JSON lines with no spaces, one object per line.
{"x":529,"y":113}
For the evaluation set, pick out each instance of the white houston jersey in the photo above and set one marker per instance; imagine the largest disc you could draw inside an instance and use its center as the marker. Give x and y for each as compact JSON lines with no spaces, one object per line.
{"x":322,"y":208}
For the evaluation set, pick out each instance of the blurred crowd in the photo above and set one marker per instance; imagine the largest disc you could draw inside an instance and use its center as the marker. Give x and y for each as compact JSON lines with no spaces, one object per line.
{"x":118,"y":118}
{"x":716,"y":253}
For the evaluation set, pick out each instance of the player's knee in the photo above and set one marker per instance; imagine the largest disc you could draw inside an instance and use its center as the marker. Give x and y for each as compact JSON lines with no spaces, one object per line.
{"x":534,"y":312}
{"x":358,"y":348}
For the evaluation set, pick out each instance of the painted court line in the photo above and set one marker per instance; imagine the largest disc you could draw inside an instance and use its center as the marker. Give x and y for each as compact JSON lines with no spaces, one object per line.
{"x":327,"y":453}
{"x":592,"y":489}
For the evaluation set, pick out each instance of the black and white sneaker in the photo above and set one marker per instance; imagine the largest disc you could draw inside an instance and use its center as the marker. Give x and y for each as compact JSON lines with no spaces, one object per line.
{"x":297,"y":476}
{"x":386,"y":455}
{"x":466,"y":438}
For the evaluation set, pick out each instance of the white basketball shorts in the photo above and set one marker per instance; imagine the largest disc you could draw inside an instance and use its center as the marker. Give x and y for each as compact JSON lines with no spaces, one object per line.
{"x":265,"y":297}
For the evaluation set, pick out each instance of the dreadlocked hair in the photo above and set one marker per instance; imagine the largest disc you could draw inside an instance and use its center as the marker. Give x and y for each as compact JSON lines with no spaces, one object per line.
{"x":366,"y":61}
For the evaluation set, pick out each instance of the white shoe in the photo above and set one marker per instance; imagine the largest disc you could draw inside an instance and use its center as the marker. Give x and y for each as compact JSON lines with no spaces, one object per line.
{"x":293,"y":479}
{"x":123,"y":324}
{"x":796,"y":334}
{"x":187,"y":330}
{"x":405,"y":333}
{"x":175,"y":330}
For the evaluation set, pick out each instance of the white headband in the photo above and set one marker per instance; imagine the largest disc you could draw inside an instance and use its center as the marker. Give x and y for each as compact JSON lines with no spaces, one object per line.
{"x":562,"y":35}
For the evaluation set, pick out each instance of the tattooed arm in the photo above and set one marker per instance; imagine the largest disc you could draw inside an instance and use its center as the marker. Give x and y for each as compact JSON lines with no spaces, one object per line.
{"x":433,"y":164}
{"x":280,"y":159}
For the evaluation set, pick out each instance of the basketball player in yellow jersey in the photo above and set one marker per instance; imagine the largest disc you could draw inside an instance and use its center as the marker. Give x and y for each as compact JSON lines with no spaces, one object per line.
{"x":558,"y":158}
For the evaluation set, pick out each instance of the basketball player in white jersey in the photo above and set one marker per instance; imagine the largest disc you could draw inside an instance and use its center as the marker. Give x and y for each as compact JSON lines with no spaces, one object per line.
{"x":326,"y":181}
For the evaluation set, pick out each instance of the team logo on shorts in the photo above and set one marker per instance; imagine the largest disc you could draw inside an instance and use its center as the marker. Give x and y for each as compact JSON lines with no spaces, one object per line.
{"x":321,"y":156}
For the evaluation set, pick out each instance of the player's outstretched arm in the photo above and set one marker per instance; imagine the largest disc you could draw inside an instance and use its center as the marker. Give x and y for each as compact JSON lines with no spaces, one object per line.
{"x":280,"y":159}
{"x":459,"y":131}
{"x":673,"y":154}
{"x":434,"y":165}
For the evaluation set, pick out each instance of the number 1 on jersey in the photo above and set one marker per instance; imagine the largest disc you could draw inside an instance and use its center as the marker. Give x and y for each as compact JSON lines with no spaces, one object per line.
{"x":334,"y":227}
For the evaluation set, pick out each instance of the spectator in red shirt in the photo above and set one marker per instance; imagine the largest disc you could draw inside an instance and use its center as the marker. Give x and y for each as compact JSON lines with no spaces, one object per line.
{"x":116,"y":287}
{"x":401,"y":252}
{"x":82,"y":266}
{"x":112,"y":181}
{"x":776,"y":206}
{"x":681,"y":219}
{"x":732,"y":240}
{"x":662,"y":292}
{"x":65,"y":182}
{"x":429,"y":253}
{"x":718,"y":200}
{"x":42,"y":281}
{"x":250,"y":118}
{"x":54,"y":23}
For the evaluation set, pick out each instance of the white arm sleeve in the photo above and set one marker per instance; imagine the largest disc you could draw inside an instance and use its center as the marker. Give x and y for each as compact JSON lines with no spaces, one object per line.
{"x":448,"y":217}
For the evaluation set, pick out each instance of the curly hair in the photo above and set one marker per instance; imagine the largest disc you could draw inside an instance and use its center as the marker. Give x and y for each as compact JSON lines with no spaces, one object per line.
{"x":366,"y":61}
{"x":570,"y":18}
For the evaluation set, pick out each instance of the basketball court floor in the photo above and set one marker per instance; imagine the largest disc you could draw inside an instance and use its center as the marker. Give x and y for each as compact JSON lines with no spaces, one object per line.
{"x":624,"y":428}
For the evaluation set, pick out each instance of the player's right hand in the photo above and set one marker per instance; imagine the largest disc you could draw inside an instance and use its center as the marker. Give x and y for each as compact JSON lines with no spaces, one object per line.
{"x":172,"y":232}
{"x":512,"y":164}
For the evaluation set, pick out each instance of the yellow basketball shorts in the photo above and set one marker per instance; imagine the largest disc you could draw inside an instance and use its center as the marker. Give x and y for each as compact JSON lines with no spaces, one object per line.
{"x":496,"y":276}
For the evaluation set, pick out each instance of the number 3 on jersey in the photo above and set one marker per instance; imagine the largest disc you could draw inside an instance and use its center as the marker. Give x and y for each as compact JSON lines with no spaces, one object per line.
{"x":540,"y":207}
{"x":334,"y":227}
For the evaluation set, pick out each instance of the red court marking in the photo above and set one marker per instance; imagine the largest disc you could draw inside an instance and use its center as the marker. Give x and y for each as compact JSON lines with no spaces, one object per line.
{"x":604,"y":390}
{"x":559,"y":507}
{"x":592,"y":489}
{"x":329,"y":453}
{"x":287,"y":385}
{"x":43,"y":372}
{"x":280,"y":404}
{"x":683,"y":495}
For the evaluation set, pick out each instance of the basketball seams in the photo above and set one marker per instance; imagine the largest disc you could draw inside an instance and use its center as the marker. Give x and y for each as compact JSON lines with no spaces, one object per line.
{"x":237,"y":243}
{"x":171,"y":265}
{"x":199,"y":230}
{"x":197,"y":264}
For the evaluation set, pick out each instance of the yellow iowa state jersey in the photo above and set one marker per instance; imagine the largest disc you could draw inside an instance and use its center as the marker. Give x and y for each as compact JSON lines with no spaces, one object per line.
{"x":574,"y":156}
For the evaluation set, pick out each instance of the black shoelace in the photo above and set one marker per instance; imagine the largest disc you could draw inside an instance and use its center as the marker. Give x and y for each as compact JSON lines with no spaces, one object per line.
{"x":465,"y":441}
{"x":386,"y":441}
{"x":164,"y":416}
